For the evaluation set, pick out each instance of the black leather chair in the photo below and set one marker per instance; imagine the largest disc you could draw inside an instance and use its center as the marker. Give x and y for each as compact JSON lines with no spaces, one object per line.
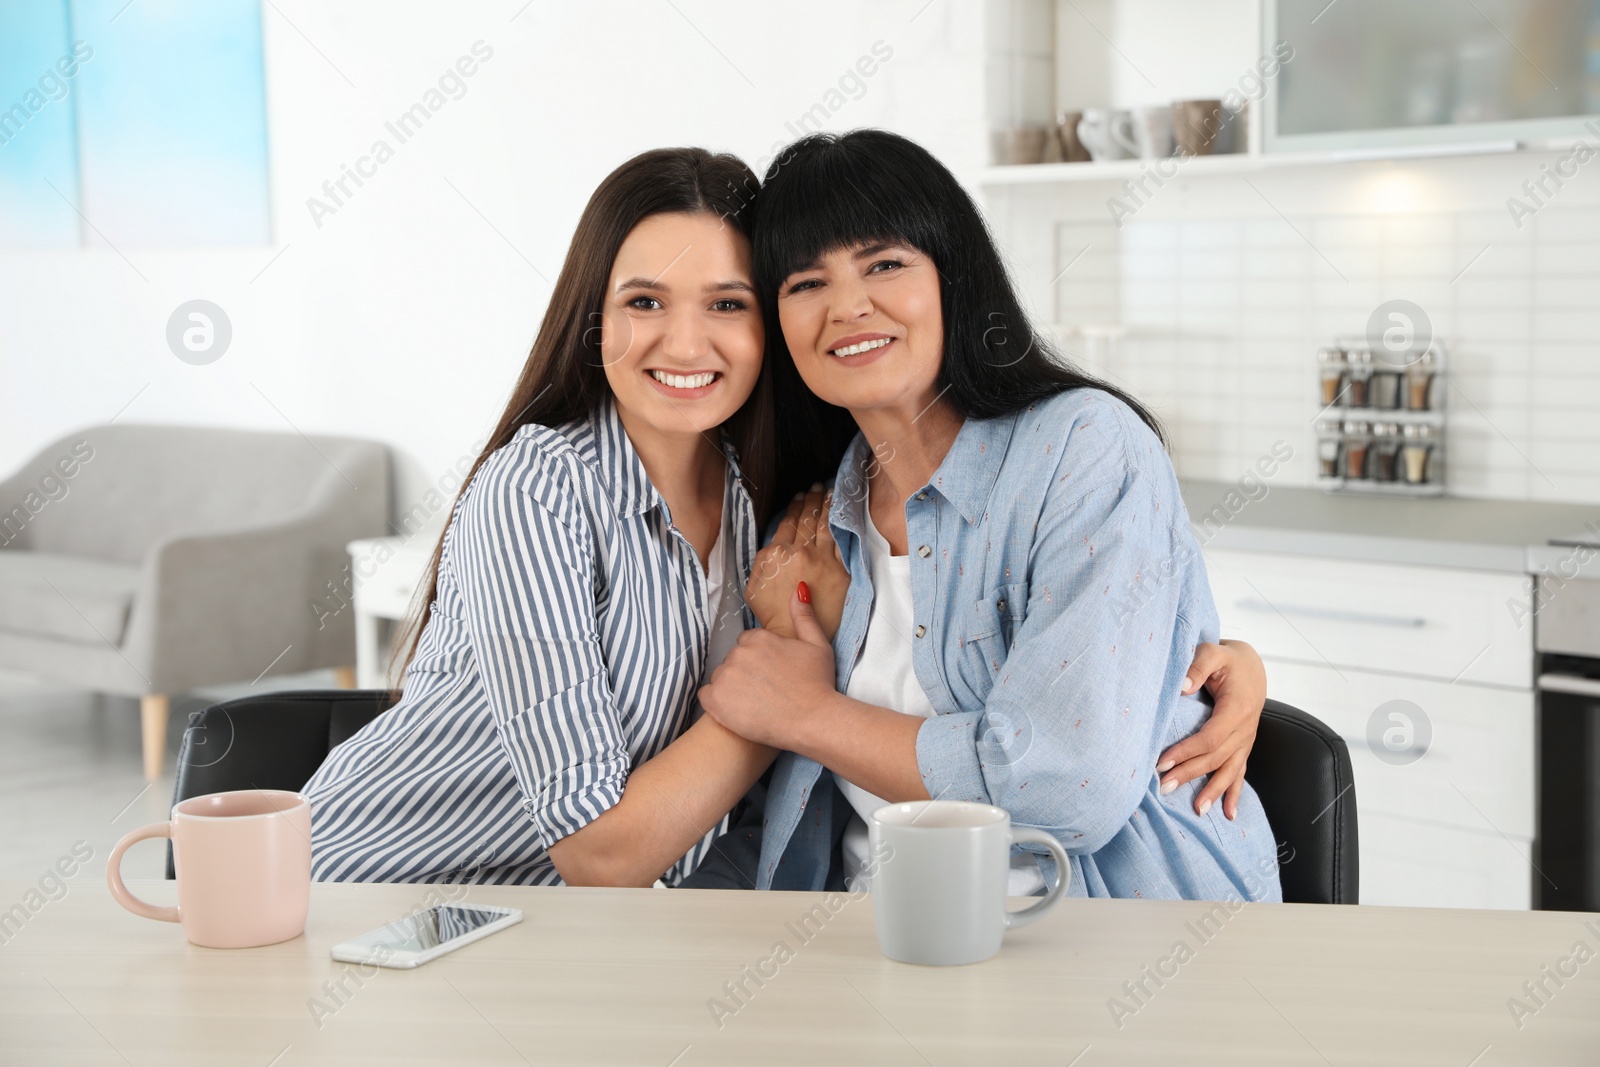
{"x":1301,"y":771}
{"x":1299,"y":768}
{"x":272,"y":741}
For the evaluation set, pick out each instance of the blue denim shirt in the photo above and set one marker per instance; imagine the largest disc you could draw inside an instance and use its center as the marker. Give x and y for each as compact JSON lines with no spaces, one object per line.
{"x":1059,"y":595}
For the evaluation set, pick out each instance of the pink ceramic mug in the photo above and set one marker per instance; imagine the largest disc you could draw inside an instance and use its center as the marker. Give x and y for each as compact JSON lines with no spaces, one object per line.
{"x":243,"y":861}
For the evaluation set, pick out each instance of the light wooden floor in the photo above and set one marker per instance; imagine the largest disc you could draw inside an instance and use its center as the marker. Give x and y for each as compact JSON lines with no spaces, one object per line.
{"x":70,"y":771}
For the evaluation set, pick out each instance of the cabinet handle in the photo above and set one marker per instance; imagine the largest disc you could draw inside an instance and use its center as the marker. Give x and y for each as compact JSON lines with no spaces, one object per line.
{"x":1569,"y":683}
{"x":1407,"y":622}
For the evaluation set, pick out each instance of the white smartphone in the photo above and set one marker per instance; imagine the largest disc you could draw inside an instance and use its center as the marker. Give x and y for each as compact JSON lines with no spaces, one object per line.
{"x":426,"y":935}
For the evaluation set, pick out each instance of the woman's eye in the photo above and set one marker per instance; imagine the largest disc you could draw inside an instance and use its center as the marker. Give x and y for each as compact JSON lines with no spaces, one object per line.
{"x":645,"y":303}
{"x":728,"y":305}
{"x":885,"y":265}
{"x":802,"y":286}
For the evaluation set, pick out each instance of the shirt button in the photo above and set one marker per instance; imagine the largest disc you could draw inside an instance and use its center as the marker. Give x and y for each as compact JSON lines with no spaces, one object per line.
{"x":923,"y":551}
{"x":922,"y":495}
{"x":921,"y":630}
{"x":1002,"y":604}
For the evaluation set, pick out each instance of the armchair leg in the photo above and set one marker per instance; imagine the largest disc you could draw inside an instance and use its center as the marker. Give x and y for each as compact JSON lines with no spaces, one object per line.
{"x":344,"y":677}
{"x":153,"y":727}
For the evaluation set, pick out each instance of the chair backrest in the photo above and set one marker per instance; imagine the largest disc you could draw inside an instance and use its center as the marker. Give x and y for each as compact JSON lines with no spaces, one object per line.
{"x":271,"y":741}
{"x":1301,"y":771}
{"x":135,"y":485}
{"x":1299,"y":768}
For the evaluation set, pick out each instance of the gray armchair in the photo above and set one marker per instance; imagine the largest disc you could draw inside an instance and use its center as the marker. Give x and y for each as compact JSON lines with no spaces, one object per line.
{"x":147,"y":560}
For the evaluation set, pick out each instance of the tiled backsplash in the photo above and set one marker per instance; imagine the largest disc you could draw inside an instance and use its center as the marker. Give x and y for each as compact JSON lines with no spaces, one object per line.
{"x":1221,"y":319}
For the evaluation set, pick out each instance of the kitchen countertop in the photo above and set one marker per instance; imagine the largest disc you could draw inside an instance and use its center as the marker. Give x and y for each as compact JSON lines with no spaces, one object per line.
{"x":1473,"y":534}
{"x":696,"y":977}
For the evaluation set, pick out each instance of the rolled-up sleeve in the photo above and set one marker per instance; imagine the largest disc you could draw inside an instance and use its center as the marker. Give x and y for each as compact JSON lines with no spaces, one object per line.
{"x":1069,"y":734}
{"x":524,"y":561}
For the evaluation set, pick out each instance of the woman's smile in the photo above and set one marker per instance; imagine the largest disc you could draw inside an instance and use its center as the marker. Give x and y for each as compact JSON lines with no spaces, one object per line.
{"x":860,"y":348}
{"x":684,"y":385}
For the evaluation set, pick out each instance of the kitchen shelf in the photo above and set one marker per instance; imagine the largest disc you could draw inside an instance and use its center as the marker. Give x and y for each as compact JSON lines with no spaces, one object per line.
{"x":1432,"y":417}
{"x":1375,"y":488}
{"x":1117,"y":170}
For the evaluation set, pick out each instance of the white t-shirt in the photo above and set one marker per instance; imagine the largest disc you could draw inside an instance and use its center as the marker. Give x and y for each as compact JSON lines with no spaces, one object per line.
{"x":884,"y":676}
{"x":722,"y":591}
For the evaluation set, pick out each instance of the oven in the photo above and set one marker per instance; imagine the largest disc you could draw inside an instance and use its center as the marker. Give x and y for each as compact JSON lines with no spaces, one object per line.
{"x":1567,"y":641}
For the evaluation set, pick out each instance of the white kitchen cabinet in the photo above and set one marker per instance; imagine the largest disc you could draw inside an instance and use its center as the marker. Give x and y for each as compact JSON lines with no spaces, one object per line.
{"x":1453,"y":827}
{"x":1437,"y":622}
{"x":1476,"y":771}
{"x":1413,"y":864}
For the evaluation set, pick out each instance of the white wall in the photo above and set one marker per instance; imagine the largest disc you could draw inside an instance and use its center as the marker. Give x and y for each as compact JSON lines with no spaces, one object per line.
{"x":406,"y":316}
{"x":1227,"y":284}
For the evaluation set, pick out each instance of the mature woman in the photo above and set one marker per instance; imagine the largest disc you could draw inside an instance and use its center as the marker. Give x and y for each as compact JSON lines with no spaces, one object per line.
{"x":1024,"y":590}
{"x":590,"y":575}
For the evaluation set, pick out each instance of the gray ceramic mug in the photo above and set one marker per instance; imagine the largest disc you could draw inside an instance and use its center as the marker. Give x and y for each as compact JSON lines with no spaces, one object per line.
{"x":939,"y":894}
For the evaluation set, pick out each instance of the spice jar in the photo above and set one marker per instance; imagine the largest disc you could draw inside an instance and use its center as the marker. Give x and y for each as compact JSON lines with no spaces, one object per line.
{"x":1332,"y":363}
{"x":1360,"y":363}
{"x":1384,"y":391}
{"x":1357,"y":439}
{"x":1414,"y":454}
{"x":1328,"y":450}
{"x":1419,"y":383}
{"x":1385,"y":452}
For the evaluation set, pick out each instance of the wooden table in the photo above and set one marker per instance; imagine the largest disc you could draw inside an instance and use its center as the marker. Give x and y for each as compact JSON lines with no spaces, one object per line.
{"x":620,"y":976}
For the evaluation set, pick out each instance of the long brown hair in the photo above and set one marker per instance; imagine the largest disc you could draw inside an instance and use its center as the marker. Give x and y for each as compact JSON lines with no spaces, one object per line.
{"x":564,"y":378}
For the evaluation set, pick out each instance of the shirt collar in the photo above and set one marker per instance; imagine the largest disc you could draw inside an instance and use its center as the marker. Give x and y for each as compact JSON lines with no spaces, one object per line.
{"x":850,"y":488}
{"x":624,"y":471}
{"x":728,"y":450}
{"x":971,"y":467}
{"x":619,"y":462}
{"x":965,"y":477}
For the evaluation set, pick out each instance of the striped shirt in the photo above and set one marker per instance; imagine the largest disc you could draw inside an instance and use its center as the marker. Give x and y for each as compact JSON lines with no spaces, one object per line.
{"x":567,"y":643}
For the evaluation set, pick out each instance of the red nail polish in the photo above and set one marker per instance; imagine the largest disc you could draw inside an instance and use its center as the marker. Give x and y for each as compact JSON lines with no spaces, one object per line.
{"x":805,"y":592}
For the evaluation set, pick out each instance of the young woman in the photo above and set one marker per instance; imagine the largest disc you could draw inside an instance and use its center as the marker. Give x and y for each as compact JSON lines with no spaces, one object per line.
{"x":590,"y":575}
{"x":590,"y":571}
{"x":1024,"y":589}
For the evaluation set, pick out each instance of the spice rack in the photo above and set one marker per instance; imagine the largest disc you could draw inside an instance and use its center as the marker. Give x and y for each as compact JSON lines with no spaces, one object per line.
{"x":1381,"y":428}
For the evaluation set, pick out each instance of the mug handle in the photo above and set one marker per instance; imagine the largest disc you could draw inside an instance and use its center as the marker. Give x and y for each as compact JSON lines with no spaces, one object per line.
{"x":1122,"y":132}
{"x":114,"y":874}
{"x":1028,"y":836}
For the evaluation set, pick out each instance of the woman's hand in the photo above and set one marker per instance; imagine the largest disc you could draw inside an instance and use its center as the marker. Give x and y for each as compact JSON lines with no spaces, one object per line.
{"x":769,"y":684}
{"x":1237,"y":679}
{"x":802,"y":550}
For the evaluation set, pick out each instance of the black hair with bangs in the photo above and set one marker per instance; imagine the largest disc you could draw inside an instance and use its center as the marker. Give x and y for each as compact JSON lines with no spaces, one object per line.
{"x":829,"y":191}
